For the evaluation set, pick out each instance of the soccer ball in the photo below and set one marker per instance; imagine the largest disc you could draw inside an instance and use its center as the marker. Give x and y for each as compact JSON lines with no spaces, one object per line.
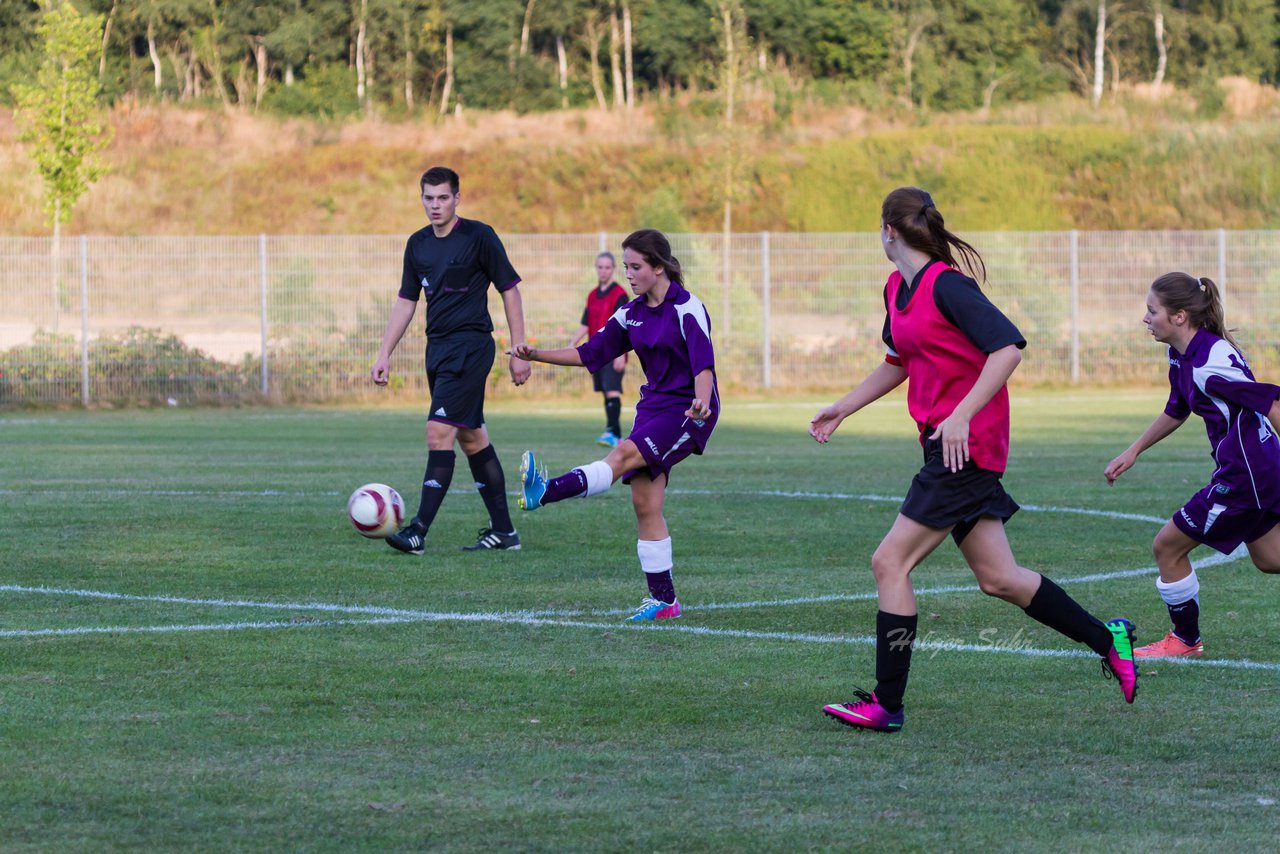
{"x":375,"y":510}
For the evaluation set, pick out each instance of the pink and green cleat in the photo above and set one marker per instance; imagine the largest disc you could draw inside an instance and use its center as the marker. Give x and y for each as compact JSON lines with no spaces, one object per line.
{"x":867,"y":713}
{"x":1119,"y":660}
{"x":652,"y":609}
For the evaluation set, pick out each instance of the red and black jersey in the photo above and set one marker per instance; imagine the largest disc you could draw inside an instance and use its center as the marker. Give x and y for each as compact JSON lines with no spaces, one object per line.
{"x":601,"y":305}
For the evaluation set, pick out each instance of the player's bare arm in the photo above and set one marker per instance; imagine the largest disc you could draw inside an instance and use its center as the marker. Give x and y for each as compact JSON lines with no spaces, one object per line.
{"x":700,"y":409}
{"x":884,"y":379}
{"x":401,"y":316}
{"x":1163,"y":426}
{"x":566,"y":356}
{"x":513,"y":306}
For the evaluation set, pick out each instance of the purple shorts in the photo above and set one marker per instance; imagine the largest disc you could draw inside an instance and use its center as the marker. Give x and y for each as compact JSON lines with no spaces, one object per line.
{"x":666,"y":438}
{"x":1220,"y":527}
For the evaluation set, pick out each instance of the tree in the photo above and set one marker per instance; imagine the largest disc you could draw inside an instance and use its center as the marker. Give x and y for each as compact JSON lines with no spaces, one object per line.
{"x":57,"y":112}
{"x":56,"y":115}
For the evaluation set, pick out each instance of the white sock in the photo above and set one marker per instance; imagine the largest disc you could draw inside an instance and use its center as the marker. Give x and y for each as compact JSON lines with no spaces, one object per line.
{"x":599,"y":477}
{"x":655,"y":555}
{"x":1177,"y":592}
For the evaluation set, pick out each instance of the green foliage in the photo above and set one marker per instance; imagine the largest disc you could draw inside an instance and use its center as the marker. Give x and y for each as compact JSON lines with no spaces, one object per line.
{"x":326,"y":91}
{"x":662,"y":208}
{"x":964,"y":52}
{"x":136,"y":366}
{"x":56,"y":112}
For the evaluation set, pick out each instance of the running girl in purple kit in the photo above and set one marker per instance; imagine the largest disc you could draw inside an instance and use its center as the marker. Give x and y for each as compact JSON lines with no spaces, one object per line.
{"x":1208,"y":375}
{"x":956,"y":350}
{"x":670,"y":331}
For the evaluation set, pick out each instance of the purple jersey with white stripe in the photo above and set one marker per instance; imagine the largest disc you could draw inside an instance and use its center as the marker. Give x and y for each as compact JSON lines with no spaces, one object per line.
{"x":673,"y":343}
{"x":1213,"y":380}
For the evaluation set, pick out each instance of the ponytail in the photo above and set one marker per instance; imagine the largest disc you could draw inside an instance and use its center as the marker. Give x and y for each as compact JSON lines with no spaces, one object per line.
{"x":654,"y":247}
{"x":917,"y":219}
{"x":1199,"y":298}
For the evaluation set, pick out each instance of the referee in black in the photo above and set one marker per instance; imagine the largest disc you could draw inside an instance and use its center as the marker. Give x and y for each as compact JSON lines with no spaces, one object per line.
{"x":452,"y":262}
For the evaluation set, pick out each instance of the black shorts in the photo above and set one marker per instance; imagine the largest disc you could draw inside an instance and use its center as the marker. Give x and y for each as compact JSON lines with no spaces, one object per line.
{"x":940,"y":498}
{"x":607,"y":379}
{"x":457,"y":370}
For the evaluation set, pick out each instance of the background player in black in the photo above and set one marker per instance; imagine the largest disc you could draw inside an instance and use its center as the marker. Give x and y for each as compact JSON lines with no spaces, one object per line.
{"x":452,"y":263}
{"x":603,"y":300}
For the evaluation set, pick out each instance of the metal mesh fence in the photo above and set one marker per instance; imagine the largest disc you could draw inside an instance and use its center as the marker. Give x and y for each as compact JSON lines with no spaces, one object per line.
{"x":209,"y":319}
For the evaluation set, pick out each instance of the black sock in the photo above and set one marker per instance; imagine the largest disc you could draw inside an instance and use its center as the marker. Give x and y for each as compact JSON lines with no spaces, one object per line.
{"x":895,"y":636}
{"x":1060,"y":612}
{"x":435,"y":484}
{"x":492,"y":485}
{"x":613,"y":409}
{"x":661,"y":586}
{"x":1186,"y":621}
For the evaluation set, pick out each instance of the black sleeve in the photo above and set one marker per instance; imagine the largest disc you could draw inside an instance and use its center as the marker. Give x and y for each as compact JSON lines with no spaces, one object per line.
{"x":885,"y":334}
{"x":621,"y":300}
{"x":409,"y":286}
{"x":585,"y":310}
{"x":494,"y":262}
{"x":966,"y":307}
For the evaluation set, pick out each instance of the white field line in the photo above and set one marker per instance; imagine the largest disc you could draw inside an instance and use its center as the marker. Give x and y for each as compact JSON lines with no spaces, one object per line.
{"x":196,"y":627}
{"x":531,"y":620}
{"x":756,"y":493}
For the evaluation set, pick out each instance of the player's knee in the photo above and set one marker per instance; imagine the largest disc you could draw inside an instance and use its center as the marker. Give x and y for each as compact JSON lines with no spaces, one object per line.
{"x":1269,"y":564}
{"x":997,"y":586}
{"x":886,"y":566}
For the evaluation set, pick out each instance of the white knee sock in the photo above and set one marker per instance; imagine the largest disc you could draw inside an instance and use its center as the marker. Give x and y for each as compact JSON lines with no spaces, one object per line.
{"x":1177,"y":592}
{"x":599,"y":477}
{"x":655,"y":555}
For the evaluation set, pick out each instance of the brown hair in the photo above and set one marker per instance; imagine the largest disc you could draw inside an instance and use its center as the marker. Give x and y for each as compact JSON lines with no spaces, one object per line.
{"x":1199,"y":298}
{"x":911,"y":211}
{"x":437,"y":175}
{"x":654,"y":247}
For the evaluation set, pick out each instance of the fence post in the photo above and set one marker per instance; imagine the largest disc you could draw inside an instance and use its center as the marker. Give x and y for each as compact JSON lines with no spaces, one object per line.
{"x":1075,"y":306}
{"x":262,"y":293}
{"x":1222,"y":264}
{"x":765,"y":298}
{"x":604,"y":242}
{"x":84,"y":321}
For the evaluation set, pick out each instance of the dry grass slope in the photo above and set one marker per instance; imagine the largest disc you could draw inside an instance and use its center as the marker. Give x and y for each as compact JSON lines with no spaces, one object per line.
{"x":1145,"y":160}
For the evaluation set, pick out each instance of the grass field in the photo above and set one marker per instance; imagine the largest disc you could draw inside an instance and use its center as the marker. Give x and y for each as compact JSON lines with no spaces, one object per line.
{"x":198,"y":653}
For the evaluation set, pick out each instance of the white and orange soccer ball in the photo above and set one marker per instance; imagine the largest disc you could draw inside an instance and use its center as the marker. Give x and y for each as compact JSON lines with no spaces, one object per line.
{"x":375,"y":510}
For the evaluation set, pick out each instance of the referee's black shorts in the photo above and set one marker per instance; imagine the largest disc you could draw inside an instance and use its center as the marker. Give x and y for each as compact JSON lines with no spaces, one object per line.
{"x":457,"y":370}
{"x":607,"y":379}
{"x":940,"y":498}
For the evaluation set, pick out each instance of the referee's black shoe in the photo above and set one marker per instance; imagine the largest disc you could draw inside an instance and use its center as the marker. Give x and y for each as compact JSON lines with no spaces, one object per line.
{"x":410,"y":539}
{"x":491,"y":539}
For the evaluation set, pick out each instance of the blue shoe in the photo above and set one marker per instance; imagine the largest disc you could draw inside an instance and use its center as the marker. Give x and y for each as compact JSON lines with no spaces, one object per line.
{"x":533,"y":482}
{"x":652,"y":609}
{"x":607,"y":439}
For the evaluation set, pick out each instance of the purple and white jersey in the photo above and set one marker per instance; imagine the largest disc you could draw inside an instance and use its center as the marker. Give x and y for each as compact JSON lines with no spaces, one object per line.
{"x":672,"y":341}
{"x":1213,"y":380}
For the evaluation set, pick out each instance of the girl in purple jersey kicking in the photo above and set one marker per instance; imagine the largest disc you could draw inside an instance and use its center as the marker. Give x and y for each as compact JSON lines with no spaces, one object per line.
{"x":670,"y":331}
{"x":1209,"y":376}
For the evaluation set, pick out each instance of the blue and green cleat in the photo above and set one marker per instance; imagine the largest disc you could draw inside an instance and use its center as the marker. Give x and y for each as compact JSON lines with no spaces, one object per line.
{"x":533,"y":482}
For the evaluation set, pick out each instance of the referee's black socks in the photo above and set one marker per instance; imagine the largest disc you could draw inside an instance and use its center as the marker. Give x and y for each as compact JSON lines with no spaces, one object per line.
{"x":492,"y":486}
{"x":435,"y":483}
{"x":1053,"y":607}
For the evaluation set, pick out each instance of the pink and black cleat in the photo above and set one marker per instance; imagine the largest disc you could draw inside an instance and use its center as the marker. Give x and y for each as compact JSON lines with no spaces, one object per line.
{"x":867,"y":713}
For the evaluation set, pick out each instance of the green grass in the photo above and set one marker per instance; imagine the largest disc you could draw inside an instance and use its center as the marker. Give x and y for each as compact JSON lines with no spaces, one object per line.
{"x":484,"y":735}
